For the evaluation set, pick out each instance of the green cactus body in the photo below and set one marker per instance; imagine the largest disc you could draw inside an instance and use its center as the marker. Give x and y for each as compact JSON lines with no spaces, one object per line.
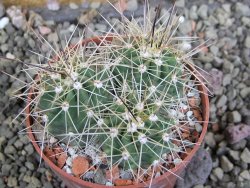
{"x":129,"y":97}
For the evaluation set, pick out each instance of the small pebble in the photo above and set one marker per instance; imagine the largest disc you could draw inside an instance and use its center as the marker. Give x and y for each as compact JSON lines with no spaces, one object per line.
{"x":209,"y":139}
{"x":73,"y":6}
{"x":245,"y":174}
{"x":69,"y":161}
{"x":234,"y":154}
{"x":95,"y":5}
{"x":180,"y":3}
{"x":3,"y":22}
{"x":189,"y":113}
{"x":71,"y":151}
{"x":44,"y":30}
{"x":226,"y":164}
{"x":10,"y":56}
{"x":218,"y":172}
{"x":2,"y":10}
{"x":109,"y":184}
{"x":132,"y":5}
{"x":245,"y":156}
{"x":198,"y":127}
{"x":79,"y":165}
{"x":53,"y":5}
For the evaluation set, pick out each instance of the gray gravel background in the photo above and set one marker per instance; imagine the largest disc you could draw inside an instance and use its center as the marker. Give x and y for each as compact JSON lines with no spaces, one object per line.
{"x":227,"y":22}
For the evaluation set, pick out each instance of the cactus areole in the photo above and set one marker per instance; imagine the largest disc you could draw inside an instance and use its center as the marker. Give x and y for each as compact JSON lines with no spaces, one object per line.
{"x":125,"y":105}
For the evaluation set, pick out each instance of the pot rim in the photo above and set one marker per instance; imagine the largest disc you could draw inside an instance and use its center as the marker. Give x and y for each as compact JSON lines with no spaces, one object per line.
{"x":182,"y":165}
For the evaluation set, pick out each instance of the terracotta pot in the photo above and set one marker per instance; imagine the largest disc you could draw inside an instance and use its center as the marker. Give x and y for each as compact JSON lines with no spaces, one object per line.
{"x":167,"y":180}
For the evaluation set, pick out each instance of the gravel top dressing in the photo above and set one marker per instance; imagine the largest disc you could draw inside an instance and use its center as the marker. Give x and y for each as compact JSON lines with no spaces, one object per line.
{"x":222,"y":161}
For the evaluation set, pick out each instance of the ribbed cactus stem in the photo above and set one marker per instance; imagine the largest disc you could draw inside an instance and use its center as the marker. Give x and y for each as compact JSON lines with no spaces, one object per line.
{"x":126,"y":98}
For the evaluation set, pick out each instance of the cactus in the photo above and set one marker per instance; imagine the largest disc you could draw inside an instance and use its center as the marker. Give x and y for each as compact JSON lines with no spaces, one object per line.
{"x":123,"y":98}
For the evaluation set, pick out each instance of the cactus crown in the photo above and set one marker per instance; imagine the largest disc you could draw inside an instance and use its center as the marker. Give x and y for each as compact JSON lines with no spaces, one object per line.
{"x":123,"y":99}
